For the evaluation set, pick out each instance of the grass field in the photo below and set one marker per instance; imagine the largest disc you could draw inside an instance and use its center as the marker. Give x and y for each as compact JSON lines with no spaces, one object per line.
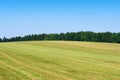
{"x":59,"y":60}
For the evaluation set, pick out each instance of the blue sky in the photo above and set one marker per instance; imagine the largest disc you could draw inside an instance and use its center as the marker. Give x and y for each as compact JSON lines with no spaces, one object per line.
{"x":21,"y":17}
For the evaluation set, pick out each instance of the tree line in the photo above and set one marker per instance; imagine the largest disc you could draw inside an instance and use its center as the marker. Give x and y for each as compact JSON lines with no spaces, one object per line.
{"x":69,"y":36}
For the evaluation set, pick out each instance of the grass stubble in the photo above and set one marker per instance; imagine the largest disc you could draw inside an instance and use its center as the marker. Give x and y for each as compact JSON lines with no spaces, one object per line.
{"x":59,"y":60}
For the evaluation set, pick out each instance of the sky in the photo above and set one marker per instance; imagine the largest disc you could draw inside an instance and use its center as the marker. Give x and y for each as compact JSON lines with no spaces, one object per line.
{"x":22,"y":17}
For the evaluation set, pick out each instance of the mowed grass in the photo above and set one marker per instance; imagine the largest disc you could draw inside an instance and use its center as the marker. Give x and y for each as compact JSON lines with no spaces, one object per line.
{"x":59,"y":60}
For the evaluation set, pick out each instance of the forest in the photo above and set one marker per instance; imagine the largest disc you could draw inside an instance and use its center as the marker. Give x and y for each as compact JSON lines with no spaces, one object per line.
{"x":69,"y":36}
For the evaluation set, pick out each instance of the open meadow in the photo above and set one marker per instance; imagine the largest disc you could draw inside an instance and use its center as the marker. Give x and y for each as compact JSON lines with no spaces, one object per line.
{"x":59,"y":60}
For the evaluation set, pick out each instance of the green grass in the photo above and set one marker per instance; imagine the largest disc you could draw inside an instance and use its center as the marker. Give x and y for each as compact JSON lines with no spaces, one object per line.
{"x":59,"y":60}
